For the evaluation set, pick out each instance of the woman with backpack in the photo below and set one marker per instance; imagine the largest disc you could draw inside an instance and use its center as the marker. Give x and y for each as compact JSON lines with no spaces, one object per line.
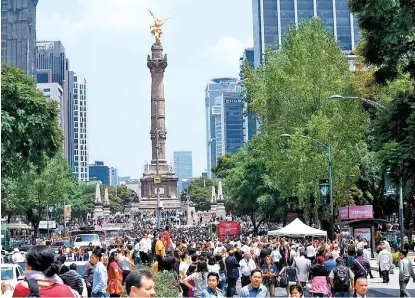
{"x":289,"y":276}
{"x":41,"y":275}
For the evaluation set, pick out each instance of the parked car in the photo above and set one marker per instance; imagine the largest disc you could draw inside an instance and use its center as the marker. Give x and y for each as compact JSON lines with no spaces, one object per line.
{"x":59,"y":244}
{"x":12,"y":273}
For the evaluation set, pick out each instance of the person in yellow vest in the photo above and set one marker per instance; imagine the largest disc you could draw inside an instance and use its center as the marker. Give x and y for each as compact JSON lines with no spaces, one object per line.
{"x":406,"y":242}
{"x":160,"y":251}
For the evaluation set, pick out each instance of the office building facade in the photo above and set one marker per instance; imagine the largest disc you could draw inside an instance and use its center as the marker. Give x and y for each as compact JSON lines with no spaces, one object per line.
{"x":227,"y":123}
{"x":214,"y":90}
{"x":80,"y":128}
{"x":99,"y":171}
{"x":113,"y":176}
{"x":52,"y":66}
{"x":18,"y":34}
{"x":54,"y":91}
{"x":183,"y":166}
{"x":271,"y":19}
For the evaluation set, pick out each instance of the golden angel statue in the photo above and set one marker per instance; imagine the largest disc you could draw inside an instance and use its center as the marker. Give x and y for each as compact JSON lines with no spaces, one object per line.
{"x":156,"y":28}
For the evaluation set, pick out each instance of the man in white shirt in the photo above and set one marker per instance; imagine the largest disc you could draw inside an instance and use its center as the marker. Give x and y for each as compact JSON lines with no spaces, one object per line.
{"x":6,"y":289}
{"x":17,"y":256}
{"x":385,"y":262}
{"x":303,"y":266}
{"x":335,"y":252}
{"x":311,"y":253}
{"x":145,"y":248}
{"x":247,"y":264}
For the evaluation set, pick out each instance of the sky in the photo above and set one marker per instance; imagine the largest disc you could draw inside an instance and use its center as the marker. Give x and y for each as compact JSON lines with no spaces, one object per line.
{"x":108,"y":41}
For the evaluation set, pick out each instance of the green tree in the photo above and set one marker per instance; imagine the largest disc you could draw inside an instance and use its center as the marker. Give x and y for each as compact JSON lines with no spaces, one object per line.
{"x":388,"y":37}
{"x":34,"y":191}
{"x":200,"y":192}
{"x":290,"y":94}
{"x":224,"y":164}
{"x":30,"y":134}
{"x":396,"y":138}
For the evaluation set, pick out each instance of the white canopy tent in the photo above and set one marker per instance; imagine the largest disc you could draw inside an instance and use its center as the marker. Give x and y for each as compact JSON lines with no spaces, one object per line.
{"x":297,"y":229}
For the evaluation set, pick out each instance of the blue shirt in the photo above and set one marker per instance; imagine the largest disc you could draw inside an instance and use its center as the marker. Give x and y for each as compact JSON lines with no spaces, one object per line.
{"x":209,"y":293}
{"x":249,"y":291}
{"x":100,"y":280}
{"x":330,"y":264}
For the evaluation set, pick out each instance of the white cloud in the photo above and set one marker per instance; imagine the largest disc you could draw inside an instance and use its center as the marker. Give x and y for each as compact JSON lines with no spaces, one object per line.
{"x":227,"y":50}
{"x":228,"y":47}
{"x":119,"y":16}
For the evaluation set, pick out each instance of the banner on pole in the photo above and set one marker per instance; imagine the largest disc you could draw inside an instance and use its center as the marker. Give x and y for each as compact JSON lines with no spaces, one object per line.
{"x":67,"y":211}
{"x":324,"y":192}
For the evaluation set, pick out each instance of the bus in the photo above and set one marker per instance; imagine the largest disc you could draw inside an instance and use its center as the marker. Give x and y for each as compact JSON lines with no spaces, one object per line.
{"x":112,"y":233}
{"x":5,"y":238}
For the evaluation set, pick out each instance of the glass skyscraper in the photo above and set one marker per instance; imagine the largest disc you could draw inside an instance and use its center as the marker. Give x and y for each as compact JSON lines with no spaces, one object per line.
{"x":18,"y":34}
{"x":271,"y":19}
{"x":183,"y":166}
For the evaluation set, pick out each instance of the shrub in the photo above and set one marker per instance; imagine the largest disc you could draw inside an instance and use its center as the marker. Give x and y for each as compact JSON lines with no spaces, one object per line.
{"x":166,"y":285}
{"x":396,"y":259}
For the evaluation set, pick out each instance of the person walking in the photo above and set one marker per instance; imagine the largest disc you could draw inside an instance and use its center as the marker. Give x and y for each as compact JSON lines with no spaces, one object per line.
{"x":319,"y":274}
{"x":360,"y":266}
{"x":385,"y":262}
{"x":291,"y":273}
{"x":303,"y":266}
{"x":232,"y":272}
{"x":246,"y":265}
{"x":341,"y":280}
{"x":115,"y":276}
{"x":269,"y":274}
{"x":254,"y":289}
{"x":405,"y":273}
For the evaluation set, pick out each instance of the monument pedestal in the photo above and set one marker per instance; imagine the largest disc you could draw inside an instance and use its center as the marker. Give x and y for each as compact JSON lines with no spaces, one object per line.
{"x":106,"y":211}
{"x":98,"y":211}
{"x":220,"y":210}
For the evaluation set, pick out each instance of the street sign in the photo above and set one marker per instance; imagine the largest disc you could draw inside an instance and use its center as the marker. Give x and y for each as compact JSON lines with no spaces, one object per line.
{"x":156,"y":180}
{"x":324,"y":192}
{"x":50,"y":208}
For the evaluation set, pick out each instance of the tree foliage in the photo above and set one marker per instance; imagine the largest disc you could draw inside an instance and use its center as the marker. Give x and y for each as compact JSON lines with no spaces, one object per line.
{"x":30,"y":134}
{"x":33,"y":191}
{"x":388,"y":36}
{"x":290,"y":94}
{"x":200,"y":192}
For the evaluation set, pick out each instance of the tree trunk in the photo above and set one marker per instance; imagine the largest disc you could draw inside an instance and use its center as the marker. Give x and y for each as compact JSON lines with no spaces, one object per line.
{"x":9,"y":217}
{"x":35,"y":225}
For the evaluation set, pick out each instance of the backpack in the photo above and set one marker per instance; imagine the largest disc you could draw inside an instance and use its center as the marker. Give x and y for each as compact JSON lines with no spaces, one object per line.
{"x":34,"y":288}
{"x":341,"y":279}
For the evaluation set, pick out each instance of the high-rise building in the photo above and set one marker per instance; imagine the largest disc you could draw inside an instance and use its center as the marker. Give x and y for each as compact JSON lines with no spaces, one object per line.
{"x":18,"y":34}
{"x":214,"y":89}
{"x":101,"y":172}
{"x":50,"y":55}
{"x":271,"y":19}
{"x":55,"y":92}
{"x":52,"y":66}
{"x":183,"y":166}
{"x":80,"y":128}
{"x":113,"y":176}
{"x":227,"y":126}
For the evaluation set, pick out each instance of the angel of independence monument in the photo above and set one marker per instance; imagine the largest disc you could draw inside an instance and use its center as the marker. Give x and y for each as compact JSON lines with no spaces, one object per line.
{"x":159,"y":181}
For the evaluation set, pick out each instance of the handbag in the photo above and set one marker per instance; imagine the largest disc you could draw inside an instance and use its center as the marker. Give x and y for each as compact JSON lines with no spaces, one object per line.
{"x":283,"y":283}
{"x":115,"y":286}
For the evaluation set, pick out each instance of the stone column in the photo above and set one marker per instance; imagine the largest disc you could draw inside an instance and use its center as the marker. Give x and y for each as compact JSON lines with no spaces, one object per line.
{"x":157,"y":64}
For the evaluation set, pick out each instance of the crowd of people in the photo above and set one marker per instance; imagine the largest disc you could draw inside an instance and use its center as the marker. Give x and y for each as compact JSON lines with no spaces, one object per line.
{"x":206,"y":267}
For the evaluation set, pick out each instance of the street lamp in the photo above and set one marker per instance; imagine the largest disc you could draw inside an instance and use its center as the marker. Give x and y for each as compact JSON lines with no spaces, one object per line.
{"x":368,"y":101}
{"x":327,"y":150}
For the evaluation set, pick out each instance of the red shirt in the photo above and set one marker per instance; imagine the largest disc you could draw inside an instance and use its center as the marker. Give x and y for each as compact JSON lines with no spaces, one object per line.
{"x":111,"y":271}
{"x":57,"y":290}
{"x":166,"y":239}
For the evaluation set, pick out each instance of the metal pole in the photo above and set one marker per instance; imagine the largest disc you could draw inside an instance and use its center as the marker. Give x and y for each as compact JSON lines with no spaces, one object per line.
{"x":47,"y":222}
{"x":157,"y":165}
{"x":331,"y":193}
{"x":401,"y":213}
